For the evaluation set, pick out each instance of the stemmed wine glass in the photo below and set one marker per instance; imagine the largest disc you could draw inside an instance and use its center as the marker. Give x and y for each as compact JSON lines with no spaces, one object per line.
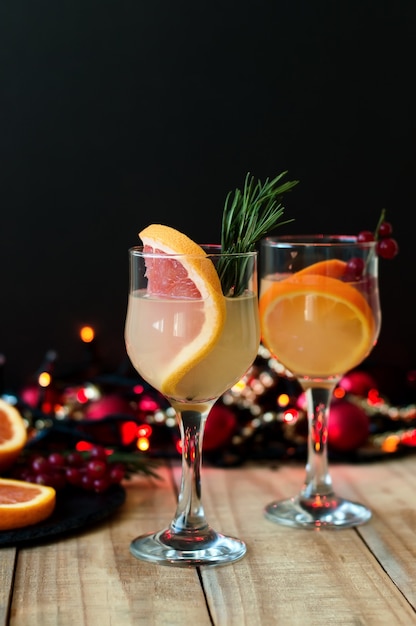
{"x":320,"y":317}
{"x":191,"y":348}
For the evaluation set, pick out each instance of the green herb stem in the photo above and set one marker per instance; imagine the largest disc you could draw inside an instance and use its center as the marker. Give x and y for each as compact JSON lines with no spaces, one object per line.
{"x":248,"y":216}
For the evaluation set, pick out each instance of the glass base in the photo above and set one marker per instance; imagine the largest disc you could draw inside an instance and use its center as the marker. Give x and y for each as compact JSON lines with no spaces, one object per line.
{"x":318,"y":512}
{"x":187,"y":549}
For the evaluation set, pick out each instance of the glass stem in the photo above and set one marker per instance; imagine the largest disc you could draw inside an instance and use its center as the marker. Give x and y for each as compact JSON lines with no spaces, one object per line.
{"x":190,"y":514}
{"x":318,"y":480}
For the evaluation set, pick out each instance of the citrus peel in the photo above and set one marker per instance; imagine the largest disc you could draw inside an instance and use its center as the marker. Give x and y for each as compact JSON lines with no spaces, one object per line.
{"x":177,"y":267}
{"x":335,"y":268}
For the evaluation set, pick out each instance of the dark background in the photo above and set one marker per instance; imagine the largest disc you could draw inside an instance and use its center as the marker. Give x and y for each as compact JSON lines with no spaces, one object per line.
{"x":118,"y":114}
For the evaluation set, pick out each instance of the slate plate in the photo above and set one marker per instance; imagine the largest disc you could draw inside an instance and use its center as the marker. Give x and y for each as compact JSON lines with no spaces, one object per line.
{"x":75,"y":509}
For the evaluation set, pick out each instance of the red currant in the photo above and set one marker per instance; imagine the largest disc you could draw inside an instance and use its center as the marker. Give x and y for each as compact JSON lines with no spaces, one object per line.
{"x":98,"y":452}
{"x":365,"y":235}
{"x":96,"y":468}
{"x":73,"y":476}
{"x":75,"y":459}
{"x":387,"y":248}
{"x":94,"y":471}
{"x":56,"y":460}
{"x":40,"y":465}
{"x":101,"y":484}
{"x":354,"y":269}
{"x":117,"y":473}
{"x":385,"y":229}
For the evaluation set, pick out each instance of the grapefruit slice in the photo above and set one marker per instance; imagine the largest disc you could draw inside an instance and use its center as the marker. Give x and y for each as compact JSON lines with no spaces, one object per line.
{"x":24,"y":504}
{"x":315,"y":325}
{"x":13,"y":434}
{"x":189,"y":275}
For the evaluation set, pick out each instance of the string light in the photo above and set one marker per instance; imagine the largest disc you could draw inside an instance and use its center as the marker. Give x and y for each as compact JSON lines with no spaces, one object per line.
{"x":87,"y":334}
{"x":268,"y":406}
{"x":44,"y":379}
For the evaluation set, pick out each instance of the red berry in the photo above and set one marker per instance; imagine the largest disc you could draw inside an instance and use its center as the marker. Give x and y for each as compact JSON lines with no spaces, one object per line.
{"x":365,"y":235}
{"x":117,"y":473}
{"x":354,"y":269}
{"x":75,"y":459}
{"x":98,"y":452}
{"x":101,"y":484}
{"x":56,"y":460}
{"x":73,"y":476}
{"x":385,"y":229}
{"x":40,"y":465}
{"x":96,"y":468}
{"x":387,"y":248}
{"x":87,"y":482}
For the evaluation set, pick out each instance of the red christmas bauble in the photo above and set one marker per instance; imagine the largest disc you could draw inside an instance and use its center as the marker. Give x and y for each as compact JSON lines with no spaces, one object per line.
{"x":220,"y":427}
{"x":358,"y":383}
{"x":108,"y":405}
{"x":348,"y":426}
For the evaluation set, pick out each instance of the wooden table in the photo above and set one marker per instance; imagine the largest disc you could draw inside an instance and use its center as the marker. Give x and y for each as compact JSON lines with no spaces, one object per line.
{"x":288,"y":577}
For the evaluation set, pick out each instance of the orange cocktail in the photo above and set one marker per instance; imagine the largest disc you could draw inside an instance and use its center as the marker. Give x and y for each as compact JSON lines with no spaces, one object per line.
{"x":314,"y":322}
{"x":320,"y":317}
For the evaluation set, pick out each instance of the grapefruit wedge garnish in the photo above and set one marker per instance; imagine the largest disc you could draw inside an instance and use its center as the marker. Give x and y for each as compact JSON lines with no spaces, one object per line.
{"x":316,"y":325}
{"x":13,"y":434}
{"x":24,"y":504}
{"x":190,"y":274}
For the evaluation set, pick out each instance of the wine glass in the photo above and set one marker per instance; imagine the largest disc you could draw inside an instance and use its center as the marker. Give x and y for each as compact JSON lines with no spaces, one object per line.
{"x":320,"y":317}
{"x":163,"y":339}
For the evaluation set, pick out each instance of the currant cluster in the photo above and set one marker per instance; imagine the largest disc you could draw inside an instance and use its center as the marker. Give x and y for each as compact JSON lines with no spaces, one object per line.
{"x":386,"y":247}
{"x":92,"y":471}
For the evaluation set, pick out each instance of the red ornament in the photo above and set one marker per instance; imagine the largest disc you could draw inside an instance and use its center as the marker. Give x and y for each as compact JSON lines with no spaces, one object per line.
{"x":358,"y":383}
{"x":108,"y":405}
{"x":220,"y":427}
{"x":348,"y":426}
{"x":31,"y":395}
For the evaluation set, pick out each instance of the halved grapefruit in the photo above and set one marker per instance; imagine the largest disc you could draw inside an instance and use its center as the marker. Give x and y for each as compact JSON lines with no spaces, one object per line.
{"x":24,"y":504}
{"x":177,"y":267}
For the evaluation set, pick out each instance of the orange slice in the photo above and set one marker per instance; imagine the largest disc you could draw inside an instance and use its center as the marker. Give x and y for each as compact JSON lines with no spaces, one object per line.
{"x":333,"y":267}
{"x":23,"y":504}
{"x":191,"y":276}
{"x":13,"y":434}
{"x":316,"y":325}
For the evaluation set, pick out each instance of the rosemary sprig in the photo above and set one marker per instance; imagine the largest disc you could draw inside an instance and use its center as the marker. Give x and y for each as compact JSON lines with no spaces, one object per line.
{"x":248,"y":216}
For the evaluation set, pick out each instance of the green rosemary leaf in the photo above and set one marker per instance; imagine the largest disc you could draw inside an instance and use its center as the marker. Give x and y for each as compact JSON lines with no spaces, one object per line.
{"x":248,"y":216}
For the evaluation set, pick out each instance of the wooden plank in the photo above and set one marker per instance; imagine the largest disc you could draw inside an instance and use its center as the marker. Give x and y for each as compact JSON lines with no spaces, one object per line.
{"x":289,"y":576}
{"x":390,"y":492}
{"x":293,"y":576}
{"x":92,"y":578}
{"x":7,"y":565}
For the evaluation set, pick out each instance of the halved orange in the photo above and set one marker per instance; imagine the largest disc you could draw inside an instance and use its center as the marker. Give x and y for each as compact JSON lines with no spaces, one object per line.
{"x":191,"y":275}
{"x":24,"y":504}
{"x":316,"y":325}
{"x":13,"y":434}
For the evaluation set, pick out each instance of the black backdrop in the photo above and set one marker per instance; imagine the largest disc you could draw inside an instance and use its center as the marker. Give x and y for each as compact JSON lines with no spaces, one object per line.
{"x":118,"y":114}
